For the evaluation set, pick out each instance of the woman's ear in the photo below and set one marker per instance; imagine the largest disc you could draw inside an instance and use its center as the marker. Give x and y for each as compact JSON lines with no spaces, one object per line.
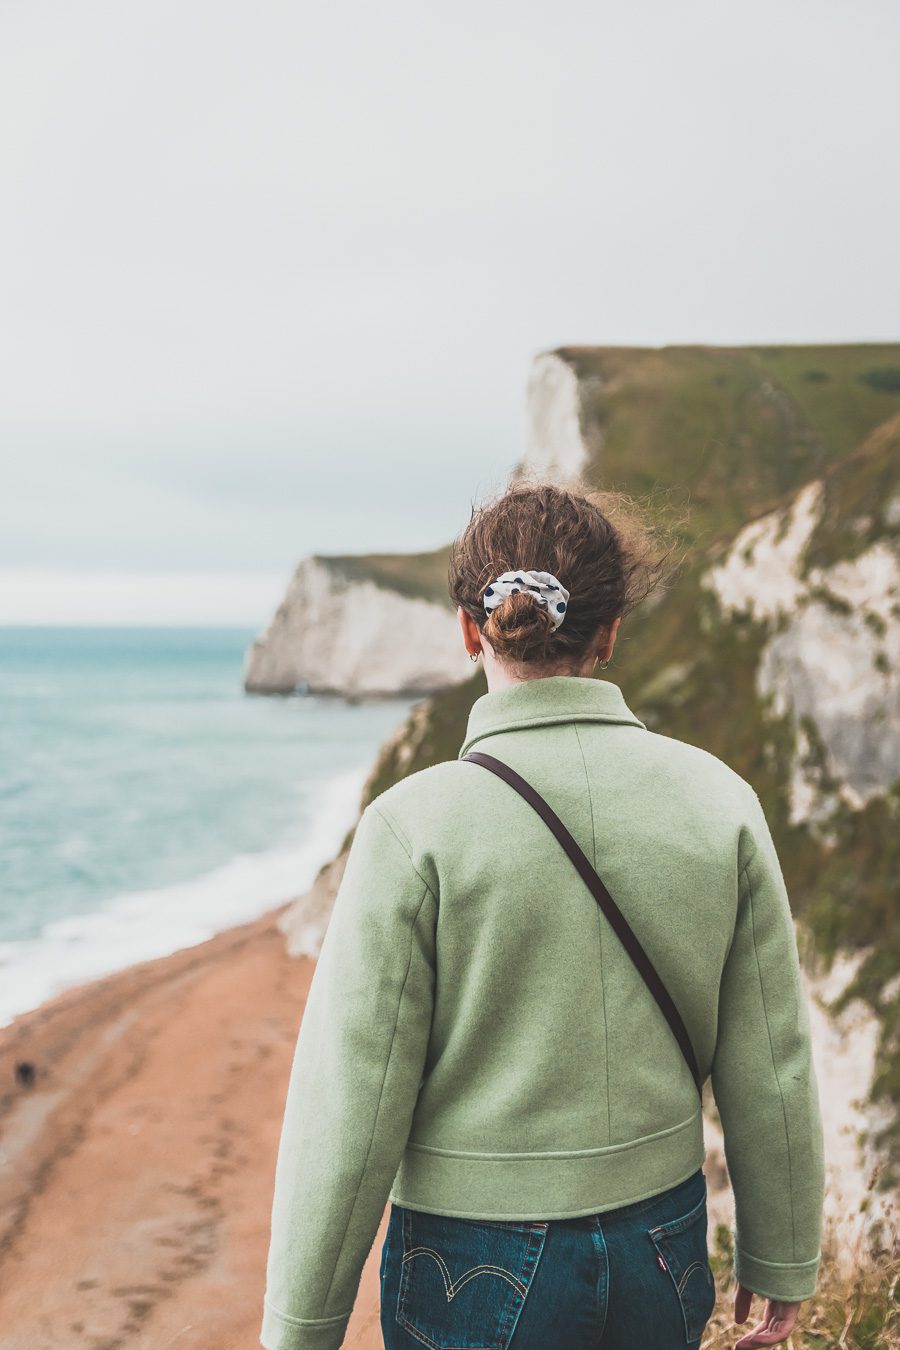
{"x":471,"y":635}
{"x":605,"y":651}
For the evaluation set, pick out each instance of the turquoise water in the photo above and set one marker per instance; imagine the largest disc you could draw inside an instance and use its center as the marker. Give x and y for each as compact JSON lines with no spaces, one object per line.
{"x":147,"y":802}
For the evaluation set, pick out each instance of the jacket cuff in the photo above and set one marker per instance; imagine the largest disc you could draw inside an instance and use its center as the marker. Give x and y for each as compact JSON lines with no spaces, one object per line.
{"x":792,"y":1282}
{"x":280,"y":1332}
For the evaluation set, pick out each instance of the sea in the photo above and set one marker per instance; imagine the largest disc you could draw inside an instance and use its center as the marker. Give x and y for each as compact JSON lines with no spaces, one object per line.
{"x":147,"y":802}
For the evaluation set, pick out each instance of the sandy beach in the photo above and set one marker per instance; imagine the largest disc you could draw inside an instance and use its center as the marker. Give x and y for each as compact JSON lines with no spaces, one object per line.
{"x":136,"y":1173}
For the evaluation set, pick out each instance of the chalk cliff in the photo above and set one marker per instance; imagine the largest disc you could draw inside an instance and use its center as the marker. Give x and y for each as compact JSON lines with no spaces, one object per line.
{"x":554,"y":444}
{"x":830,"y":662}
{"x":336,"y":629}
{"x":361,"y":627}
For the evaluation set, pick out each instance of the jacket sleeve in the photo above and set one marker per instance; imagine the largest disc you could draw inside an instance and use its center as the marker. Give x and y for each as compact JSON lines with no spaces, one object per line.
{"x":765,"y":1086}
{"x":356,"y":1074}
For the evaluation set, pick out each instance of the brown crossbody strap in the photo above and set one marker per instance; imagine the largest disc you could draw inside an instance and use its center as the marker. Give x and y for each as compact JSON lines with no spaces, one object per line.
{"x":615,"y":916}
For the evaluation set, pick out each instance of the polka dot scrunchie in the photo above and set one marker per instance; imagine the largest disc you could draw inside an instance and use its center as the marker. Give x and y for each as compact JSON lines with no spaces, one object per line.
{"x":547,"y":590}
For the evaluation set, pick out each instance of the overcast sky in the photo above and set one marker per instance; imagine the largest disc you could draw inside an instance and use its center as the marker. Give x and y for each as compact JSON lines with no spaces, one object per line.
{"x":273,"y":273}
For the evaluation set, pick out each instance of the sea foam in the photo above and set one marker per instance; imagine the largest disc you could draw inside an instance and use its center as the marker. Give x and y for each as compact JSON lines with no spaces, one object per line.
{"x":141,"y":925}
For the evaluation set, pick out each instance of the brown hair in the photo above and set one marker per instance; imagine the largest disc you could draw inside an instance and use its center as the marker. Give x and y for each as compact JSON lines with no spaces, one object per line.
{"x":603,"y":546}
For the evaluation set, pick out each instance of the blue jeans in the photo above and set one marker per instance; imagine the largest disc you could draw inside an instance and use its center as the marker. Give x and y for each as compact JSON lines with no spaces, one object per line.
{"x":633,"y":1278}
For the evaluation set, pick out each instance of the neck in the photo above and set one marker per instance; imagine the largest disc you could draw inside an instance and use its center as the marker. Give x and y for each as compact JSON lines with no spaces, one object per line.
{"x":501,"y":676}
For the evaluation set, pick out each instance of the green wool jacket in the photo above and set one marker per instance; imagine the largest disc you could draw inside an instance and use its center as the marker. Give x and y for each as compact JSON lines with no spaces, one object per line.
{"x":477,"y":1042}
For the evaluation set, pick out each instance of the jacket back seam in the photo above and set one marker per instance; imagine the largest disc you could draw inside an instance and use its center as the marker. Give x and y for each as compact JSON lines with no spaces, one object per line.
{"x":600,"y":934}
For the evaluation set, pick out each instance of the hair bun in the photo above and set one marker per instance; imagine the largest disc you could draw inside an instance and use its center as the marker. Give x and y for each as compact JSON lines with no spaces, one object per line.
{"x":544,"y":587}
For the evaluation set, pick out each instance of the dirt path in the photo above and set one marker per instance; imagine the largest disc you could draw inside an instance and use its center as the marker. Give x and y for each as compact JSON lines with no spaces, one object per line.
{"x":136,"y":1174}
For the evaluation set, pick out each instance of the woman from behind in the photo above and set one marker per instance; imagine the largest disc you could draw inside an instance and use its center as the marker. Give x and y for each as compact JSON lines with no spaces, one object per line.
{"x":508,"y":1048}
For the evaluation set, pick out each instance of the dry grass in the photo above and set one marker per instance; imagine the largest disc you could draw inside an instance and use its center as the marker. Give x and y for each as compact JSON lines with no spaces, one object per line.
{"x":857,"y":1306}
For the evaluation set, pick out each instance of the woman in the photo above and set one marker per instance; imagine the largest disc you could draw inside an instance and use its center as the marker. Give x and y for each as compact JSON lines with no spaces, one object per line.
{"x":479,"y":1047}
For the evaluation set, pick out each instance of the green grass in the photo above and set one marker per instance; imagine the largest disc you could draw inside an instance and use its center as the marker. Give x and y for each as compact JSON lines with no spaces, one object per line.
{"x":419,"y":576}
{"x":843,"y":409}
{"x":725,"y":431}
{"x":858,"y":492}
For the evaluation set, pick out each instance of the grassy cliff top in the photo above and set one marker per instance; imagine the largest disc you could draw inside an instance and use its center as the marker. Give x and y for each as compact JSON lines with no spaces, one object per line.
{"x":727,"y":431}
{"x":723,"y":432}
{"x":419,"y":576}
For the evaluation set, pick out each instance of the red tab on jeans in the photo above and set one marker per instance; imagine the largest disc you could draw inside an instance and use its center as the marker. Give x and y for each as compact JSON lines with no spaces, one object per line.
{"x":661,"y":1262}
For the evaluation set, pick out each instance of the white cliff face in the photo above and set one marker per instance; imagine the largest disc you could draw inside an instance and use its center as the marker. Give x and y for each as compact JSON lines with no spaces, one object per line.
{"x":835,"y":669}
{"x":350,"y":636}
{"x":554,"y":446}
{"x":355,"y":638}
{"x":833,"y":658}
{"x":761,"y":571}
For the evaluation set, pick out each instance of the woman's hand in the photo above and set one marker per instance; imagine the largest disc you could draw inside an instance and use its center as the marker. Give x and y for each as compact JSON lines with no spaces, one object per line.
{"x":779,"y":1320}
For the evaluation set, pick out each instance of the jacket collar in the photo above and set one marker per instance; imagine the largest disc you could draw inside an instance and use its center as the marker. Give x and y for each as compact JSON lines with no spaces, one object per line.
{"x":540,"y":702}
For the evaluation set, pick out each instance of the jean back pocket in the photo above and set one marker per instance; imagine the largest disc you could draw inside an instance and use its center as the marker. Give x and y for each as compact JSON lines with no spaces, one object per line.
{"x":682,"y":1252}
{"x":464,"y":1281}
